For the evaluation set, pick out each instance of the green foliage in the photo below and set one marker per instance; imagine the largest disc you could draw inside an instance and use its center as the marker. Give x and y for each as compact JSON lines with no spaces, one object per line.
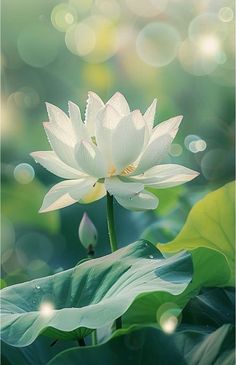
{"x":150,"y":346}
{"x":209,"y":234}
{"x":91,"y":295}
{"x":168,"y":198}
{"x":20,"y":204}
{"x":212,"y":308}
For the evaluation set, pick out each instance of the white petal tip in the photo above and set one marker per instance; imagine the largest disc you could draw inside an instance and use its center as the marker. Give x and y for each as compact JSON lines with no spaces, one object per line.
{"x":49,"y":105}
{"x":71,"y":103}
{"x":195,"y":174}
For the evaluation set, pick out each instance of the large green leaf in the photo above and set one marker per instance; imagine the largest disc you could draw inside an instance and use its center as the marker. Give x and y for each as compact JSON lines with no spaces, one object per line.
{"x":202,"y":275}
{"x":151,"y":346}
{"x":20,"y":204}
{"x":209,"y":231}
{"x":91,"y":295}
{"x":38,"y":353}
{"x":212,"y":308}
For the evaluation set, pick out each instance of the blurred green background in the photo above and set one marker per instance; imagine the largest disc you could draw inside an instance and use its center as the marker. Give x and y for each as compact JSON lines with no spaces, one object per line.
{"x":180,"y":51}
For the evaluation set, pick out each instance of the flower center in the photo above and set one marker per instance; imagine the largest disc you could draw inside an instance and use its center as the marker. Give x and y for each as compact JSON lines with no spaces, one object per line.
{"x":127,"y":170}
{"x":111,"y":171}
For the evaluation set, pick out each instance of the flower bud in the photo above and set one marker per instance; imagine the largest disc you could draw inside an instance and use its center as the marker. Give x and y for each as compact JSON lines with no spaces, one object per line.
{"x":88,"y":234}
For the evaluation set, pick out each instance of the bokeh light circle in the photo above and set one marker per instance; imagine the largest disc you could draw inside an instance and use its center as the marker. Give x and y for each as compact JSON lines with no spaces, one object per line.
{"x":195,"y":143}
{"x":38,"y":45}
{"x":38,"y":268}
{"x":168,"y":317}
{"x":168,"y":323}
{"x":80,"y":39}
{"x":24,"y":173}
{"x":196,"y":59}
{"x":175,"y":149}
{"x":98,"y":76}
{"x":96,"y":39}
{"x":213,"y":162}
{"x":197,"y":146}
{"x":63,"y":16}
{"x":33,"y":246}
{"x":26,"y":97}
{"x":157,"y":44}
{"x":206,"y":25}
{"x":147,"y":8}
{"x":109,"y":8}
{"x":226,"y":14}
{"x":82,"y":6}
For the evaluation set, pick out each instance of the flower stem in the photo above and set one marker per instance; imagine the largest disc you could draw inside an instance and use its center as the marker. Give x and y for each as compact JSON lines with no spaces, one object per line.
{"x":112,"y":237}
{"x":81,"y":342}
{"x":94,"y":338}
{"x":111,"y":223}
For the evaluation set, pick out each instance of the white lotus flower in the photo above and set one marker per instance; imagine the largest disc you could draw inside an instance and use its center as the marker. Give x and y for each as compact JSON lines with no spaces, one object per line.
{"x":114,"y":150}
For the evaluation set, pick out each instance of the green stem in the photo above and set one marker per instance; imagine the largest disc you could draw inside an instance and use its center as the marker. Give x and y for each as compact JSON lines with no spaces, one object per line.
{"x":112,"y":237}
{"x":81,"y":342}
{"x":94,"y":337}
{"x":111,"y":223}
{"x":119,"y":323}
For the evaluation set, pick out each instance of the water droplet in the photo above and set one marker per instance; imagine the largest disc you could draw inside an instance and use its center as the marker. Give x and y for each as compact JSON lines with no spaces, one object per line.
{"x":151,"y":257}
{"x":34,"y":301}
{"x":38,"y":287}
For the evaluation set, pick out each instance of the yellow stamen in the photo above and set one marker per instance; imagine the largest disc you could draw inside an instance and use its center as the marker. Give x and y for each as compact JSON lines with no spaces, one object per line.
{"x":112,"y":171}
{"x":128,"y":170}
{"x":93,"y":138}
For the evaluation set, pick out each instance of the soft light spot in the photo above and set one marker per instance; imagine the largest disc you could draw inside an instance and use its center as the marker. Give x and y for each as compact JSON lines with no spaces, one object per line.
{"x":95,"y":39}
{"x":63,"y":16}
{"x":24,"y":173}
{"x":147,"y":8}
{"x":176,"y":149}
{"x":69,"y":18}
{"x":226,"y":14}
{"x":209,"y":45}
{"x":194,"y":60}
{"x":194,"y":143}
{"x":80,"y":39}
{"x":168,"y":316}
{"x":197,"y":146}
{"x":157,"y":44}
{"x":206,"y":25}
{"x":46,"y":309}
{"x":168,"y":324}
